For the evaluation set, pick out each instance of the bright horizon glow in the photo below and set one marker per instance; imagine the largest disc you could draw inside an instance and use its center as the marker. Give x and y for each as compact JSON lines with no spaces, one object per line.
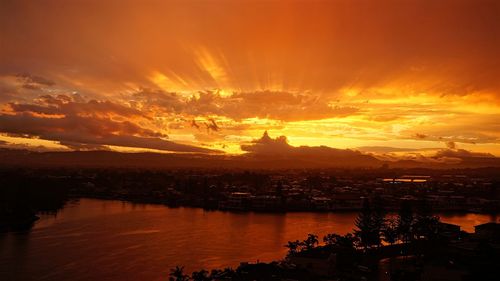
{"x":382,"y":77}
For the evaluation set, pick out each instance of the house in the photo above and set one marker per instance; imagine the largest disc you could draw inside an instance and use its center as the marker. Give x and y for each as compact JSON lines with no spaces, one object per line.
{"x":347,"y":201}
{"x":237,"y":201}
{"x":321,"y":203}
{"x":319,"y":261}
{"x":266,"y":203}
{"x":488,"y":231}
{"x":449,"y":230}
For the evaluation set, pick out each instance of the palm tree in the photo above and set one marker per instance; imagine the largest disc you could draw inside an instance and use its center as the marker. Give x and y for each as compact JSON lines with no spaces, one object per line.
{"x":201,"y":275}
{"x":335,"y":240}
{"x":311,"y":241}
{"x":177,"y":274}
{"x":332,"y":239}
{"x":293,"y":247}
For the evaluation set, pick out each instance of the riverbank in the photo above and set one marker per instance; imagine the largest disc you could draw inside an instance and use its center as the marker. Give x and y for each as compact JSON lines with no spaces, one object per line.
{"x":213,"y":205}
{"x":415,"y":248}
{"x":120,"y":240}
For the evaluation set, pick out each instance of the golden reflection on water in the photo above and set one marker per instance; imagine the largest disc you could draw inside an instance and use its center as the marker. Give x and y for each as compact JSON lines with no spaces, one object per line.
{"x":110,"y":240}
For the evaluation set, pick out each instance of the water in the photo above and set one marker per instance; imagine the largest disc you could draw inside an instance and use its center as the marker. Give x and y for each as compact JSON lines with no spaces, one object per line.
{"x":112,"y":240}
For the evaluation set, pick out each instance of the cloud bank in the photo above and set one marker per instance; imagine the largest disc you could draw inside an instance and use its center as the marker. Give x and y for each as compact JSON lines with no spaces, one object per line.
{"x":333,"y":73}
{"x":84,"y":125}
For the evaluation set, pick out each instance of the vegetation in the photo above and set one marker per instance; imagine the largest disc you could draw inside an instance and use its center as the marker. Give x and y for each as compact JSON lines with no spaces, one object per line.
{"x":22,"y":199}
{"x":389,"y":231}
{"x":373,"y":229}
{"x":369,"y":225}
{"x":297,"y":246}
{"x":405,"y":223}
{"x":177,"y":274}
{"x":339,"y":241}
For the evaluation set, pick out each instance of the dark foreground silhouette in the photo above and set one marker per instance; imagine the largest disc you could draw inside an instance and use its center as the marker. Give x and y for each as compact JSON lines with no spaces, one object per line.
{"x":414,"y":245}
{"x":22,"y":199}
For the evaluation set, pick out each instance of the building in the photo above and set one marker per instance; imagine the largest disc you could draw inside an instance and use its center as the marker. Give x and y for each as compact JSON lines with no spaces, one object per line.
{"x":488,"y":231}
{"x":237,"y":201}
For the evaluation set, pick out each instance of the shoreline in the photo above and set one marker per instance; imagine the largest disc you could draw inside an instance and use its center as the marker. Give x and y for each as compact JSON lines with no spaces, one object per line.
{"x":156,"y":202}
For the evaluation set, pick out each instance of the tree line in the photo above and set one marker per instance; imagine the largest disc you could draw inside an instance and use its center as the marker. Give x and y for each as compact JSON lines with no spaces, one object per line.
{"x":374,"y":227}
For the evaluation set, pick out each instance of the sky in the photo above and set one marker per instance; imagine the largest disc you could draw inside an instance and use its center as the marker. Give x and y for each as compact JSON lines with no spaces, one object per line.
{"x":387,"y":77}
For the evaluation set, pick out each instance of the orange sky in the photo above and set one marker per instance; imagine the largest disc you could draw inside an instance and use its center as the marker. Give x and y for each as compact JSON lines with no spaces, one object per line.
{"x":389,"y":77}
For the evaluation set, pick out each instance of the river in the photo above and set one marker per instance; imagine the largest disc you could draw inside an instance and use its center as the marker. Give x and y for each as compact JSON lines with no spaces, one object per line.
{"x":93,"y":239}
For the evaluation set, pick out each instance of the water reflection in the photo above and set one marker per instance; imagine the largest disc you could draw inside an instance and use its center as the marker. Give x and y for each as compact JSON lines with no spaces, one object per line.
{"x":111,"y":240}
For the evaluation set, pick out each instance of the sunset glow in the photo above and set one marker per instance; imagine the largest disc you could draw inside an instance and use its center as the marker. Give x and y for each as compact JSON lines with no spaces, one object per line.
{"x":410,"y":78}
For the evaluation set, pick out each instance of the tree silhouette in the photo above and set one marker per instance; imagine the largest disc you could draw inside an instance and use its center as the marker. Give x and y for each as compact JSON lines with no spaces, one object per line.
{"x":201,"y":275}
{"x":365,"y":230}
{"x":405,"y":222}
{"x":425,"y":224}
{"x":293,"y":246}
{"x":225,"y":274}
{"x":332,"y":239}
{"x":310,"y":242}
{"x":335,"y":240}
{"x":177,"y":274}
{"x":390,"y":231}
{"x":377,"y":220}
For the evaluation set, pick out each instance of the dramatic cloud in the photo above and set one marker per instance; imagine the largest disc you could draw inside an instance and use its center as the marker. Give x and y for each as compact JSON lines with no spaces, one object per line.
{"x":448,"y":47}
{"x":451,"y":145}
{"x":401,"y":74}
{"x":267,"y":147}
{"x":70,"y":106}
{"x":34,"y":82}
{"x":387,"y":149}
{"x":283,"y":106}
{"x":84,"y":125}
{"x":460,"y":153}
{"x":421,"y":136}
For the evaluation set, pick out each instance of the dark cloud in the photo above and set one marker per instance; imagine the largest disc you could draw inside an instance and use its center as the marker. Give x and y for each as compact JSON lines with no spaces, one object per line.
{"x":269,"y":148}
{"x":83,"y":132}
{"x":212,"y":125}
{"x":422,"y":65}
{"x":25,"y":146}
{"x":268,"y":145}
{"x":442,"y":156}
{"x":33,"y":82}
{"x":294,"y":106}
{"x":285,"y":106}
{"x":451,"y":145}
{"x":451,"y":135}
{"x":194,"y":124}
{"x":84,"y":125}
{"x":460,"y":153}
{"x":73,"y":105}
{"x":388,"y":149}
{"x":154,"y":100}
{"x":25,"y":123}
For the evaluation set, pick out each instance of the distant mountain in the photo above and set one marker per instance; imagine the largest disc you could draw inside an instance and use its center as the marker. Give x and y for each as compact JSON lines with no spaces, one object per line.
{"x":177,"y":160}
{"x":302,"y":158}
